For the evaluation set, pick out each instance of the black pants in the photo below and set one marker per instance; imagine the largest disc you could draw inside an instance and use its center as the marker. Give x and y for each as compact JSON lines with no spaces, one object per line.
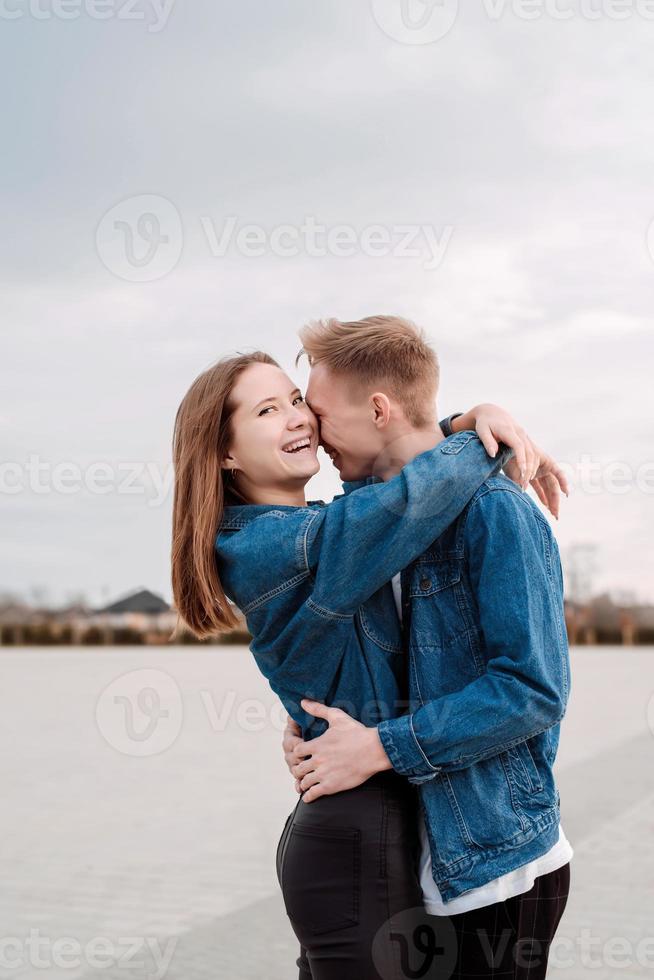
{"x":347,"y":867}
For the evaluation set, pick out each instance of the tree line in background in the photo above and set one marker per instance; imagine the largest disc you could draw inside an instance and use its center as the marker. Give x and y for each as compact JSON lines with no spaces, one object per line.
{"x":145,"y":618}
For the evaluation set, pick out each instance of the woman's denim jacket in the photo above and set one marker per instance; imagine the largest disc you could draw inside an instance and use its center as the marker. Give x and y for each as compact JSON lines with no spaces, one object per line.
{"x":313,"y":581}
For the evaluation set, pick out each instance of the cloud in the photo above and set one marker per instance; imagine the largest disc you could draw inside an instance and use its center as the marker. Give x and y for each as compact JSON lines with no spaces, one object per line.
{"x":527,"y":139}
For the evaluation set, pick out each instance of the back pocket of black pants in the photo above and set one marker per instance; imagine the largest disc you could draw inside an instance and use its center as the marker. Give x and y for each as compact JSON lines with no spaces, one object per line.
{"x":320,"y":877}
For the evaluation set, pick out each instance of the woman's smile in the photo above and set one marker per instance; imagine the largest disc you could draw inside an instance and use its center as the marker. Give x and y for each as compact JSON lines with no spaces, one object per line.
{"x":303,"y":447}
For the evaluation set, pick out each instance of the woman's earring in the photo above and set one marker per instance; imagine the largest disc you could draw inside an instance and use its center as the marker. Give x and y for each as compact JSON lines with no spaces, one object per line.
{"x":233,"y":472}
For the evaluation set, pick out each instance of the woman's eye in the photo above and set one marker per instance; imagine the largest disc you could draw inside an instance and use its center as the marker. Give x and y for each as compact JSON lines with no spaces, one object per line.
{"x":268,"y":408}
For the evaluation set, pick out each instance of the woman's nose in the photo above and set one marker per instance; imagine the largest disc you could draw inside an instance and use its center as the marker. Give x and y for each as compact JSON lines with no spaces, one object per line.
{"x":297,"y":419}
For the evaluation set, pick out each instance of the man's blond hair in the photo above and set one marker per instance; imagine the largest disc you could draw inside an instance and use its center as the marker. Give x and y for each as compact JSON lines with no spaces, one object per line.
{"x":386,"y":350}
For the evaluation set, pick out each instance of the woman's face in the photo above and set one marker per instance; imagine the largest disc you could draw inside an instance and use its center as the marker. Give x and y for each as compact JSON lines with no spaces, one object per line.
{"x":274,"y":433}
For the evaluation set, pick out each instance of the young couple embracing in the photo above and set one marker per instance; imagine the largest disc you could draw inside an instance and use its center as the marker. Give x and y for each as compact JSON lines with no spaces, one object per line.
{"x":413,"y":629}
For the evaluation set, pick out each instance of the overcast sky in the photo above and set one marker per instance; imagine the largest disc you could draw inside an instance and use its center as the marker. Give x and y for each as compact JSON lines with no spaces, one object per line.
{"x":487,"y":175}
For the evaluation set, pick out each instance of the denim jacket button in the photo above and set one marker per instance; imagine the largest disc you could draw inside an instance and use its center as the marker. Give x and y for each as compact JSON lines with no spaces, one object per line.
{"x":425,"y":583}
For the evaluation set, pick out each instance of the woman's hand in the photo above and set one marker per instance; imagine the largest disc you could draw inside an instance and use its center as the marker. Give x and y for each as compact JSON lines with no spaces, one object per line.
{"x":529,"y":463}
{"x":292,"y":737}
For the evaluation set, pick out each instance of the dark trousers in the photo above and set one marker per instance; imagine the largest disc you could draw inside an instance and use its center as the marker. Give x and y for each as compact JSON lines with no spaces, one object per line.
{"x":347,"y":868}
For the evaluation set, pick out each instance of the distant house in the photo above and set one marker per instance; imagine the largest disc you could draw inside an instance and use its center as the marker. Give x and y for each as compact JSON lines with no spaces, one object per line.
{"x":143,"y":611}
{"x":146,"y":613}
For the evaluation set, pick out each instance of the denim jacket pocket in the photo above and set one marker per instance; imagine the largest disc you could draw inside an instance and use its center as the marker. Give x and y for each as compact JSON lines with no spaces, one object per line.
{"x":439,"y":621}
{"x":431,"y":577}
{"x":524,"y":768}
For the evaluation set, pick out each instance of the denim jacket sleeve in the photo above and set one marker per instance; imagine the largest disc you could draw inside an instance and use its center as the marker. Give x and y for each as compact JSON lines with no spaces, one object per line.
{"x":445,"y":426}
{"x":357,"y":543}
{"x":515,"y":577}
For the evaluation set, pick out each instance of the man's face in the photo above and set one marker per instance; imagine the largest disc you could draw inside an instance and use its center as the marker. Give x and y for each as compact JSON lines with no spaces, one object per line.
{"x":346,"y":418}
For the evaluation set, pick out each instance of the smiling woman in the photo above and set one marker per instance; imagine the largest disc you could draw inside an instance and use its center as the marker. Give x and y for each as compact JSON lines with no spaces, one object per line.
{"x":230,"y":445}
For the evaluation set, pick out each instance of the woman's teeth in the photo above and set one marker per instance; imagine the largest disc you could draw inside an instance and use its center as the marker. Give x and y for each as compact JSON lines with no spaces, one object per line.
{"x":295,"y":447}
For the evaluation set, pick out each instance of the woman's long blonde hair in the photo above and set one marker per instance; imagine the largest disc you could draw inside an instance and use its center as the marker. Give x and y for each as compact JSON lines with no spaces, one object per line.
{"x":201,"y":440}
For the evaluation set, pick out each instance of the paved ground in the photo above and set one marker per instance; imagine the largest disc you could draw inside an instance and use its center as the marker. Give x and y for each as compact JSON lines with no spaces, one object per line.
{"x":609,"y":914}
{"x":177,"y":849}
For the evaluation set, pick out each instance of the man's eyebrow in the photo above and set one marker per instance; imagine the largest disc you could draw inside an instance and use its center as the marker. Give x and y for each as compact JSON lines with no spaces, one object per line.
{"x":273,"y":398}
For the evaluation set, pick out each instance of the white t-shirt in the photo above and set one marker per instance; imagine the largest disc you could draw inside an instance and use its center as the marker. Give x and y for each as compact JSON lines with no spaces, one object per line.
{"x":506,"y":886}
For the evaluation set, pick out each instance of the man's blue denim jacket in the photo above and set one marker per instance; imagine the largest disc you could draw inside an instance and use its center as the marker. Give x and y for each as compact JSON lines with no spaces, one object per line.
{"x":314,"y":582}
{"x":489,"y":680}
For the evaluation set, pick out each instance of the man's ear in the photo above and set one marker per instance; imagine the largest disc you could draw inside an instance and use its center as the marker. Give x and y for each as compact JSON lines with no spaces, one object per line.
{"x":381,"y":409}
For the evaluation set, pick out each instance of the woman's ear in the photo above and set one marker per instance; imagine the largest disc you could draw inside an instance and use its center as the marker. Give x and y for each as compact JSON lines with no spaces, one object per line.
{"x":228,"y":463}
